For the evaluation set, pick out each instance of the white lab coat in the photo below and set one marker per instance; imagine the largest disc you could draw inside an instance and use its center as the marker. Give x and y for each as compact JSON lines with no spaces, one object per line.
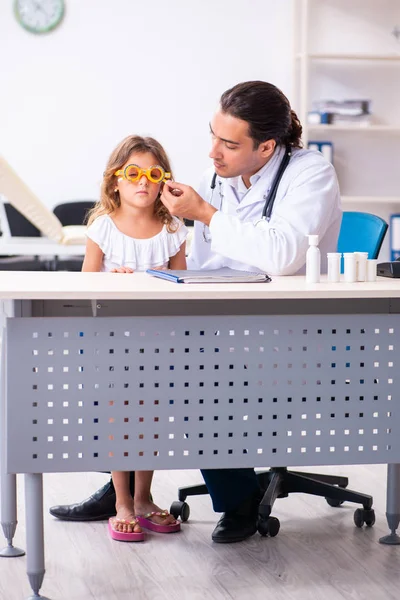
{"x":307,"y":202}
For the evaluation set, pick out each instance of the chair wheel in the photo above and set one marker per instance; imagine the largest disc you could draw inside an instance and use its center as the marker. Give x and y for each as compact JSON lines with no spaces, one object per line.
{"x":333,"y":502}
{"x":180,"y":509}
{"x":369,"y":517}
{"x":359,"y":517}
{"x":364,"y":515}
{"x":336,"y":503}
{"x":269,"y":526}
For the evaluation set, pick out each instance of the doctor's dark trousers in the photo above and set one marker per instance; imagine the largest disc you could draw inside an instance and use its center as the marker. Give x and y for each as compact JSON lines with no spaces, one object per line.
{"x":228,"y":488}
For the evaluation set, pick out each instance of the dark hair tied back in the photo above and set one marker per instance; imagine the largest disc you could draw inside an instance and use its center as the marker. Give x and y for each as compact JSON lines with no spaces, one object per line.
{"x":295,"y":131}
{"x":267,"y":111}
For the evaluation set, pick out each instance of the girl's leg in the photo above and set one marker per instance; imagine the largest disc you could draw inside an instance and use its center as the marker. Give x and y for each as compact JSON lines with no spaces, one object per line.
{"x":142,"y":502}
{"x":124,"y":504}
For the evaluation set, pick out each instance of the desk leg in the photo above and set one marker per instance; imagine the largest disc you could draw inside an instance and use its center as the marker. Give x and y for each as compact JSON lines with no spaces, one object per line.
{"x":34,"y":532}
{"x":392,"y":505}
{"x":8,"y":483}
{"x":8,"y":486}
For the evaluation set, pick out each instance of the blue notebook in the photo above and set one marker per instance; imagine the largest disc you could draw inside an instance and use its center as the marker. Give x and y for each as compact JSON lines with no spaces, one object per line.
{"x":212,"y":276}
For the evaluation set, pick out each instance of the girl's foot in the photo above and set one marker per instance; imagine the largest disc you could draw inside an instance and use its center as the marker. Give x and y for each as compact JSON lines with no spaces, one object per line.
{"x":149,"y":510}
{"x":125,"y":520}
{"x":151,"y":516}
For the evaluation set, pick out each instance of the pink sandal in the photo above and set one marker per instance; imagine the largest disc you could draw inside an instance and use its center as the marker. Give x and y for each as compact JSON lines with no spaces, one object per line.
{"x":121,"y":536}
{"x":146,"y":523}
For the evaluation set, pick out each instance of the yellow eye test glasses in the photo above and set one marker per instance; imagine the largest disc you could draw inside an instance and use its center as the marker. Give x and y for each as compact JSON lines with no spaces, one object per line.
{"x":155,"y":174}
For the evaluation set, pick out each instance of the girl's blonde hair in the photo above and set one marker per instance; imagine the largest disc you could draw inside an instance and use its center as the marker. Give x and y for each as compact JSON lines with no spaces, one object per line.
{"x":109,"y":198}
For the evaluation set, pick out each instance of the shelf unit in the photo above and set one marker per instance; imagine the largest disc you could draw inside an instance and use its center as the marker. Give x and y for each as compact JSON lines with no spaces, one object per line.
{"x":391,"y":129}
{"x":334,"y":43}
{"x":304,"y":59}
{"x":354,"y":56}
{"x":365,"y":200}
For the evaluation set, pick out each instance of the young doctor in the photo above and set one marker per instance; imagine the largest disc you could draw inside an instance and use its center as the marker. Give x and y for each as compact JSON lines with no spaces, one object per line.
{"x":253,"y":211}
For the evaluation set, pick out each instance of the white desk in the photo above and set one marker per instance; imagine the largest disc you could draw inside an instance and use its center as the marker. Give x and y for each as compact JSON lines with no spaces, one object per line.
{"x":18,"y":285}
{"x":183,"y":351}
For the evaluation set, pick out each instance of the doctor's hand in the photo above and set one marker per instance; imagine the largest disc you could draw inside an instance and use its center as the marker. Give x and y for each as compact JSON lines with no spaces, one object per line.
{"x":183,"y":201}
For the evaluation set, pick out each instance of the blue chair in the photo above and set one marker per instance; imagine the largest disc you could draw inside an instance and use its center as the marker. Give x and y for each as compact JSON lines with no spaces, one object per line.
{"x":362,"y":232}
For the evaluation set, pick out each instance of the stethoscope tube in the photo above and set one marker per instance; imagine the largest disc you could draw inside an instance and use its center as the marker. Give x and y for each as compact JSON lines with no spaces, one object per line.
{"x":269,"y":201}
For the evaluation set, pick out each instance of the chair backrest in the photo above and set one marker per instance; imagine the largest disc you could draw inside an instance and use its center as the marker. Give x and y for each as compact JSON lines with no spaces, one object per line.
{"x":13,"y":223}
{"x":362,"y":232}
{"x":74,"y":212}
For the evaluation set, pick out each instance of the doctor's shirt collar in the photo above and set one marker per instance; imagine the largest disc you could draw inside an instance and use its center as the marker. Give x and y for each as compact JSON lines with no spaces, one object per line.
{"x":269,"y":167}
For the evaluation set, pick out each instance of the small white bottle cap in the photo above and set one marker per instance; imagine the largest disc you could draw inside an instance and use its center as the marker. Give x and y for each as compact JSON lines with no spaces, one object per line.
{"x":313,"y":240}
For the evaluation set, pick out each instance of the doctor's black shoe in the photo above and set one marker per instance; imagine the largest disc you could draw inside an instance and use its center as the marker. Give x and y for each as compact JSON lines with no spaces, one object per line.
{"x":239,"y":524}
{"x":98,"y":507}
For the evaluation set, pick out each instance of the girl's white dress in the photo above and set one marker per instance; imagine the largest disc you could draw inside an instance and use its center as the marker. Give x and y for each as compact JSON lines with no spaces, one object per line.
{"x":121,"y":250}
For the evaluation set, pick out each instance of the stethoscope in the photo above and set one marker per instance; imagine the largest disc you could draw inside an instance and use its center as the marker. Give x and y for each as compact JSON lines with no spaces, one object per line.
{"x":269,"y":198}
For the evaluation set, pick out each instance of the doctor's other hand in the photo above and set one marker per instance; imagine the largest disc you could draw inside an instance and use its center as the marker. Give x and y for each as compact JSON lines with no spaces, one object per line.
{"x":122,"y":270}
{"x":183,"y":201}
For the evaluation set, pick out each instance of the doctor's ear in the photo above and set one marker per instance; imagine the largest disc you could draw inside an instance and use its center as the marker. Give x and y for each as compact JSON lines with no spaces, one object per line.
{"x":267,"y":148}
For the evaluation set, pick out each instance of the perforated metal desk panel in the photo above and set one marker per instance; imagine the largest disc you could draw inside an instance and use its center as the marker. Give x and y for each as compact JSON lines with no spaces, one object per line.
{"x":123,"y":393}
{"x":108,"y":371}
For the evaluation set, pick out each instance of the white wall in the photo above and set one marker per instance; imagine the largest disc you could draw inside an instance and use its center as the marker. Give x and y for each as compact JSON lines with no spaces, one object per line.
{"x":116,"y":67}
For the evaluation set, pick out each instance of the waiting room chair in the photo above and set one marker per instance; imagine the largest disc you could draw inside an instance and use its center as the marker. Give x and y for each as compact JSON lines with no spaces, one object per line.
{"x":14,"y":224}
{"x":72,"y":213}
{"x":361,"y":232}
{"x":18,"y":225}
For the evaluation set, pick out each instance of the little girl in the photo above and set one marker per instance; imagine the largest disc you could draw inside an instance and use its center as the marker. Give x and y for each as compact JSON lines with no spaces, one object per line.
{"x":131,"y":230}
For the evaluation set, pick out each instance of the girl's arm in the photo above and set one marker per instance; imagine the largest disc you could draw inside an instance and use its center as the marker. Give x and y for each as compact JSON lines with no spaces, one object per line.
{"x":93,"y":257}
{"x":178,"y":262}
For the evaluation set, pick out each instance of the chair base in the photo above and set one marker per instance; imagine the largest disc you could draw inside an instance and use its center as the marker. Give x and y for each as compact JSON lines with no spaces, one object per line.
{"x":278,"y":482}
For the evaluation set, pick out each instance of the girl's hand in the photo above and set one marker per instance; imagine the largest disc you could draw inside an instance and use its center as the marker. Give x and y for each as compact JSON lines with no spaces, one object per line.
{"x":122,"y":270}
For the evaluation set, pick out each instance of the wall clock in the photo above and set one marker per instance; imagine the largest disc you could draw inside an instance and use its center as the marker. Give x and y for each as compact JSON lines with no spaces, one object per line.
{"x":39,"y":16}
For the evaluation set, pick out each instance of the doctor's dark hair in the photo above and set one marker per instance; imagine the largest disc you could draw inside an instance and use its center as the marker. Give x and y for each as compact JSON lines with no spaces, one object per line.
{"x":267,"y":111}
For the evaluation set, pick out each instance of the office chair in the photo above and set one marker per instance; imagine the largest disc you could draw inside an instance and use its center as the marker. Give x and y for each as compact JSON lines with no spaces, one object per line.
{"x":14,"y":224}
{"x":361,"y":232}
{"x":18,"y":225}
{"x":72,"y":213}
